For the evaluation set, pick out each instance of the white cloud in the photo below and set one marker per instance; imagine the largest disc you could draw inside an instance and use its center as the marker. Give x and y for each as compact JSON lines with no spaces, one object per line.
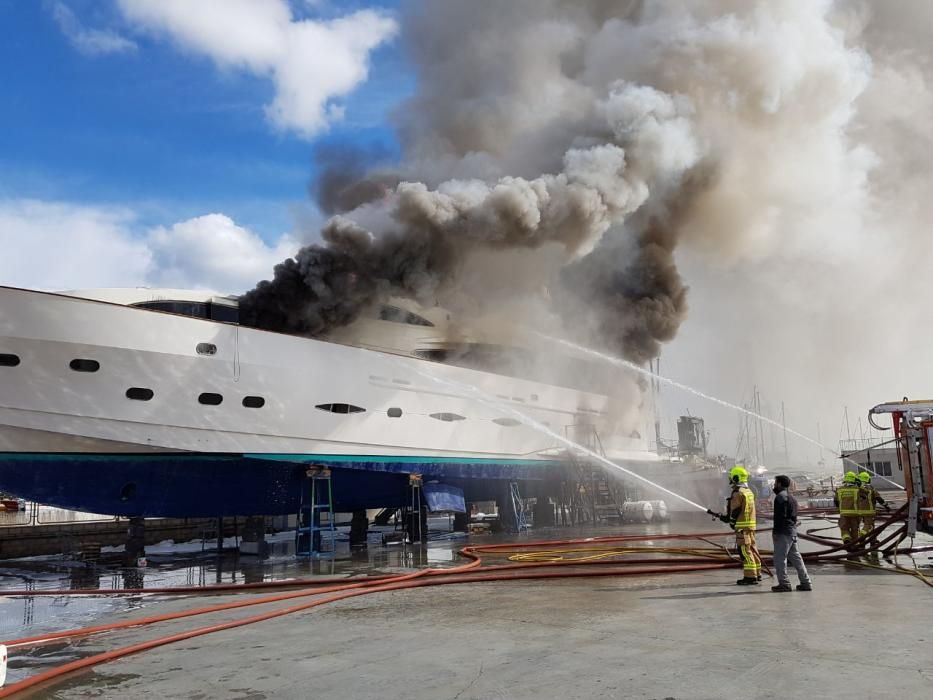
{"x":55,"y":245}
{"x":212,"y":251}
{"x":92,"y":42}
{"x":310,"y":62}
{"x":58,"y":245}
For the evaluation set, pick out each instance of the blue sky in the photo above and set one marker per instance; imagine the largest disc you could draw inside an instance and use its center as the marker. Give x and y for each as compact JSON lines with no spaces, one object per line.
{"x":161,"y":128}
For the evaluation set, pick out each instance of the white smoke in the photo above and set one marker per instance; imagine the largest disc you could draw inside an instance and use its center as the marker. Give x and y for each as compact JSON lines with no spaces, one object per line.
{"x":778,"y":146}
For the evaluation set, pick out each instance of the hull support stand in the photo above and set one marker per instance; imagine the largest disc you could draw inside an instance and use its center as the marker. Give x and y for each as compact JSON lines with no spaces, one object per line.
{"x":135,"y":541}
{"x":254,"y":537}
{"x":359,"y":529}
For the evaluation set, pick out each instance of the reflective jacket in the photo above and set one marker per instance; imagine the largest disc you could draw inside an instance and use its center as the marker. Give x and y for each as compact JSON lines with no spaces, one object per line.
{"x":742,"y":509}
{"x":867,"y":498}
{"x":847,"y":500}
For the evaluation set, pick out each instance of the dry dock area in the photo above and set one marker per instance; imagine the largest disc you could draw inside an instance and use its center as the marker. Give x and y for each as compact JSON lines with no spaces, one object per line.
{"x":860,"y":633}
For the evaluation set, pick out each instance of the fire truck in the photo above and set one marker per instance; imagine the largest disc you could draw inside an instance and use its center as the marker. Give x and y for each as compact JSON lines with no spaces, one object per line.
{"x":912,"y":422}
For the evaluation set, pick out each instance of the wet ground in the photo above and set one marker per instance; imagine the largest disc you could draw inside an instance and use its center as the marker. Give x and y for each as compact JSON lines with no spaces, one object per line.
{"x":860,"y":633}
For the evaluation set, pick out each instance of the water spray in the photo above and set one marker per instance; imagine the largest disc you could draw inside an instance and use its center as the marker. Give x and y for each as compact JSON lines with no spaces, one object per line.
{"x":618,"y":361}
{"x":481,"y":397}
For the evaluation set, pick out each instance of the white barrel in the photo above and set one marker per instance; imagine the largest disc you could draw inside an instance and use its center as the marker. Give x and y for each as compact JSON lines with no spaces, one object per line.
{"x":2,"y":665}
{"x":659,"y":510}
{"x":637,"y":511}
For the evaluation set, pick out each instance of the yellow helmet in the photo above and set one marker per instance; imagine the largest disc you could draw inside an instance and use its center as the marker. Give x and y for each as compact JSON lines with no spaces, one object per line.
{"x":738,"y":474}
{"x":850,"y":478}
{"x":864,"y":477}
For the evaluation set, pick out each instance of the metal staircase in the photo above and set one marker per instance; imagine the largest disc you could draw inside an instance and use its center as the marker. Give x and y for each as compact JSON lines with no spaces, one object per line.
{"x":594,"y":495}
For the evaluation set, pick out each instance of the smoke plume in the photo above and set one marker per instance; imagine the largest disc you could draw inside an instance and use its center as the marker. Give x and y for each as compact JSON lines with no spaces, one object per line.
{"x":495,"y":183}
{"x":771,"y":153}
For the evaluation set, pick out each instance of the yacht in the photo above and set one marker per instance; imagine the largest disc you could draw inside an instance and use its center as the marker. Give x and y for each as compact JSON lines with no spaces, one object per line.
{"x":157,"y":402}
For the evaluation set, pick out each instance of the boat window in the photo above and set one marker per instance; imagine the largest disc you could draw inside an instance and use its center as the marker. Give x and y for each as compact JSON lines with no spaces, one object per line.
{"x":448,"y":417}
{"x":195,"y":309}
{"x":206,"y":349}
{"x":210,"y":399}
{"x":84,"y":365}
{"x":508,"y":422}
{"x":254,"y":401}
{"x":139,"y":393}
{"x":394,"y":412}
{"x":397,"y":315}
{"x":433,"y":354}
{"x":8,"y":360}
{"x":340,"y":408}
{"x":224,"y":313}
{"x":523,"y":363}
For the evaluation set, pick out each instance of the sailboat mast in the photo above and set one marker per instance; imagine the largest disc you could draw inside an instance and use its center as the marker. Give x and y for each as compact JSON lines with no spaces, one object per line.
{"x":784,"y":426}
{"x":761,"y":430}
{"x":656,"y":390}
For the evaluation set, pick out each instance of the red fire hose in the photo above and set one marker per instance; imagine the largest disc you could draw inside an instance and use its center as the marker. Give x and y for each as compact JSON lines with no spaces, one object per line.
{"x":471,"y":572}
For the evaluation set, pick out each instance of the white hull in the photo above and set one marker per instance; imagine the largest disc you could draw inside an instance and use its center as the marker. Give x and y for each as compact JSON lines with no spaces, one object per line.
{"x":45,"y":405}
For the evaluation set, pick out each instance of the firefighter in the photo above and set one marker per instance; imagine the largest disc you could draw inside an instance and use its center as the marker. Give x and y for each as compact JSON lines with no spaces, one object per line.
{"x":846,"y":500}
{"x":741,"y":513}
{"x":867,"y":498}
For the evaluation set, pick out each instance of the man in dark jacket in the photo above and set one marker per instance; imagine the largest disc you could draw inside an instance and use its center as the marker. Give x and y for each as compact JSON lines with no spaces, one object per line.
{"x":784,"y":534}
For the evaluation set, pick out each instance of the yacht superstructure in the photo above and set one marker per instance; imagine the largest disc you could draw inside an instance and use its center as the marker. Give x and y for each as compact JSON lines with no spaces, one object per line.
{"x":156,"y":402}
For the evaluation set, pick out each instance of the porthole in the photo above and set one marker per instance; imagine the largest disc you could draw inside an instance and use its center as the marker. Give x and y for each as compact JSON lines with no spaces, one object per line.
{"x":8,"y":360}
{"x":340,"y":408}
{"x":138,"y":393}
{"x":448,"y":417}
{"x":209,"y":399}
{"x":394,"y":412}
{"x":206,"y":349}
{"x":84,"y":365}
{"x":507,"y":422}
{"x":254,"y":401}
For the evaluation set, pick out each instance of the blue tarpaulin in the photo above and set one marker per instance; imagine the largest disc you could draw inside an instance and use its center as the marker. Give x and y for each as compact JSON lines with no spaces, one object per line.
{"x":444,"y":498}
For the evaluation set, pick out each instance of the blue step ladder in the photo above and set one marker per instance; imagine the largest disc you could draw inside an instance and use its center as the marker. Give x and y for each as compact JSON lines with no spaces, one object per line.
{"x":317,"y":498}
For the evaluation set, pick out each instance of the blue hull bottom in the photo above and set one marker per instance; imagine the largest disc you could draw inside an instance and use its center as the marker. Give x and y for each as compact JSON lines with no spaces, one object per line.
{"x":210,"y":485}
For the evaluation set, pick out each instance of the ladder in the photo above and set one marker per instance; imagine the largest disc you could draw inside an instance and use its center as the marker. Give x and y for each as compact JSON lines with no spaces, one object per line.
{"x":316,"y":499}
{"x":518,"y":507}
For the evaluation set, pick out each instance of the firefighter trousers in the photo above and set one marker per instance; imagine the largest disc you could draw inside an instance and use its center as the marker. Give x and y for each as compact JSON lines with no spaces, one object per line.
{"x":848,"y":526}
{"x":748,"y":550}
